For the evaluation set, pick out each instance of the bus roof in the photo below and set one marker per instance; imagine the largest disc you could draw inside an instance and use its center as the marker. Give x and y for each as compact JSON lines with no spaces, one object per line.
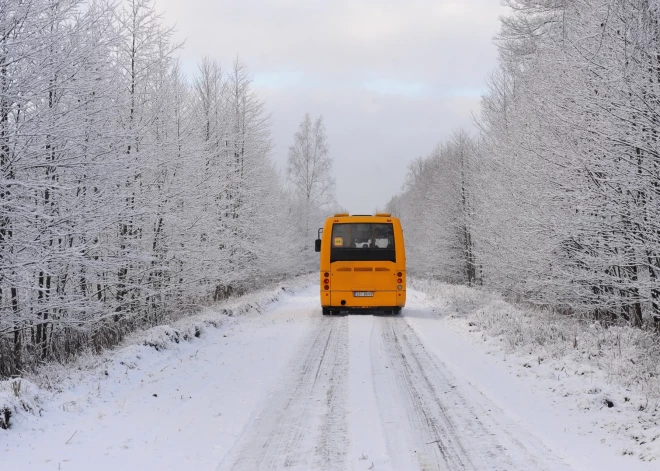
{"x":345,"y":215}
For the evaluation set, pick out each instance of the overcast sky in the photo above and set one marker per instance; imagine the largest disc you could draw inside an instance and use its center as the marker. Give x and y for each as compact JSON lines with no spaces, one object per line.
{"x":391,"y":77}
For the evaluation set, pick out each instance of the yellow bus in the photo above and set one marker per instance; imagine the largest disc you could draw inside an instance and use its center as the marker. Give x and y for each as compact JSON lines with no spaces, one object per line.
{"x":363,"y":264}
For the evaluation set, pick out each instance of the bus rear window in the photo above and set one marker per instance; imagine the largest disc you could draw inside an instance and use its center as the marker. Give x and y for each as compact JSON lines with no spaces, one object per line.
{"x":362,"y":242}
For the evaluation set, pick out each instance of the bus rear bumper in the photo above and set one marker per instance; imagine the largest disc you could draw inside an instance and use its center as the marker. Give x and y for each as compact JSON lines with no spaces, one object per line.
{"x":387,"y":300}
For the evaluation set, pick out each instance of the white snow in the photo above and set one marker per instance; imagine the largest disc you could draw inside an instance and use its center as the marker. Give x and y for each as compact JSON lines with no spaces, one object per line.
{"x":367,"y":437}
{"x":158,"y":402}
{"x":283,"y":386}
{"x":538,"y":349}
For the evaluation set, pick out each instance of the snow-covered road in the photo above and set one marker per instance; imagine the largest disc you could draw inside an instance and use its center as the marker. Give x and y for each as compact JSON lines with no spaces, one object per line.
{"x":289,"y":388}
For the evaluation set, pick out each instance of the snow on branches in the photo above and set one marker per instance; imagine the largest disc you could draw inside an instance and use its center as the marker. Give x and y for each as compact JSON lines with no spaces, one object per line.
{"x":125,"y":191}
{"x":559,"y":194}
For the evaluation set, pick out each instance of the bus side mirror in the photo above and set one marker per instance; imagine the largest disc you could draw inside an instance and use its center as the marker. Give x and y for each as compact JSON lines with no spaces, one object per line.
{"x":317,"y":245}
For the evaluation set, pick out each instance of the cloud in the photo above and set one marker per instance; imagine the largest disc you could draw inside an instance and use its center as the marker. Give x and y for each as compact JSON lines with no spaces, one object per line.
{"x":279,"y":79}
{"x":391,"y":77}
{"x":397,"y":87}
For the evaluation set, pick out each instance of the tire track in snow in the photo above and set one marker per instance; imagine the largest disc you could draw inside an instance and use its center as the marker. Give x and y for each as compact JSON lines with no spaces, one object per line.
{"x":433,"y":435}
{"x":303,"y":425}
{"x":445,"y":429}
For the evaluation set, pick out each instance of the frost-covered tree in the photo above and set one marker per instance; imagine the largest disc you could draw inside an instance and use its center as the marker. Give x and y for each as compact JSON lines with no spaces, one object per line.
{"x":128,"y":192}
{"x":436,"y":209}
{"x":563,"y":176}
{"x":309,"y":172}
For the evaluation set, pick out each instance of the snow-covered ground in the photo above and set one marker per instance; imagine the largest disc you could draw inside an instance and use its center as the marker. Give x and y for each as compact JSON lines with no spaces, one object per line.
{"x":283,"y":386}
{"x":607,"y":378}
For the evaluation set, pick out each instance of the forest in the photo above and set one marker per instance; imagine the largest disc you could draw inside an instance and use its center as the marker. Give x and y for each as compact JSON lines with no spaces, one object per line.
{"x":555,"y":200}
{"x":129,"y":192}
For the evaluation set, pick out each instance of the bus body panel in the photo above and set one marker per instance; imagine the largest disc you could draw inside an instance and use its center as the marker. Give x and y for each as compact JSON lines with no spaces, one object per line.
{"x":348,"y":277}
{"x":363,"y":276}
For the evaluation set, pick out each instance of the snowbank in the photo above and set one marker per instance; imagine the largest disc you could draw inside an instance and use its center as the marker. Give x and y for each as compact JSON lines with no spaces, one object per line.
{"x":20,"y":396}
{"x":17,"y":397}
{"x":612,"y":374}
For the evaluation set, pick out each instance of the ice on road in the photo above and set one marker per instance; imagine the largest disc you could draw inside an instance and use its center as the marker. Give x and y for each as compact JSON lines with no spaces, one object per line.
{"x":290,"y":388}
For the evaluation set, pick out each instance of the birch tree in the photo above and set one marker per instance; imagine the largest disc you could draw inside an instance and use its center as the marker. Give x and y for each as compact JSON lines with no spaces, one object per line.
{"x":309,"y":172}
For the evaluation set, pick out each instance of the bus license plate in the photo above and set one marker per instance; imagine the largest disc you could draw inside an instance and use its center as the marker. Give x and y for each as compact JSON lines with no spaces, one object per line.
{"x":363,"y":294}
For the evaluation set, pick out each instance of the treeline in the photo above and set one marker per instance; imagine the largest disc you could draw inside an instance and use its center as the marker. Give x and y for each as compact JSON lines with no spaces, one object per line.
{"x":557,"y":199}
{"x":127,"y":192}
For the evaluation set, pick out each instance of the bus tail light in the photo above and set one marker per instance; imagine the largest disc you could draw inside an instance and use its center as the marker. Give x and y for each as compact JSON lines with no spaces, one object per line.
{"x":399,"y":274}
{"x":326,"y":274}
{"x":327,"y":281}
{"x":399,"y":281}
{"x":326,"y":287}
{"x":400,"y":287}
